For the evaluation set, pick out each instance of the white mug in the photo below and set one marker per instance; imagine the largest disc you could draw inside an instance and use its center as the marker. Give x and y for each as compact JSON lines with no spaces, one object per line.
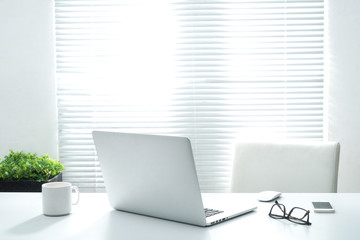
{"x":57,"y":198}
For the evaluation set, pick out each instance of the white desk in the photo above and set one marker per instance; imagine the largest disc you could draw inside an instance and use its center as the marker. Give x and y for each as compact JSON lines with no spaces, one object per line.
{"x":21,"y":218}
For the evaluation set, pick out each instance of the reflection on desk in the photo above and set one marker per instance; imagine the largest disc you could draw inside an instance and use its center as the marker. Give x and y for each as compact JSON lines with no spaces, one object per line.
{"x":93,"y":218}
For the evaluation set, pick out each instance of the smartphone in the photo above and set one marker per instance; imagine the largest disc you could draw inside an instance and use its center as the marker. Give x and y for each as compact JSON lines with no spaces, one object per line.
{"x":323,"y":207}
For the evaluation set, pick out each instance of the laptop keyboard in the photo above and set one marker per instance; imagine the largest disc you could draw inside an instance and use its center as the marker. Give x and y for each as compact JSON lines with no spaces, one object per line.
{"x":211,"y":212}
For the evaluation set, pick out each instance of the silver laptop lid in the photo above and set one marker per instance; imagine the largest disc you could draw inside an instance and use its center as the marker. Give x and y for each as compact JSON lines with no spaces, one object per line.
{"x":150,"y":175}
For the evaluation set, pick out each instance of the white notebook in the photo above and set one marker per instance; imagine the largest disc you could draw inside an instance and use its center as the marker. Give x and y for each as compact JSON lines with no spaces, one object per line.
{"x":156,"y":176}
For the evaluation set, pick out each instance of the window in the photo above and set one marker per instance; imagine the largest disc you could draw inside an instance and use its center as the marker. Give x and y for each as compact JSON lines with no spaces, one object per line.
{"x":213,"y":71}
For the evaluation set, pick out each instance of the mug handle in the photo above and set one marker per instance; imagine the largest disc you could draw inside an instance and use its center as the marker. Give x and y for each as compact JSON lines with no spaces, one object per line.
{"x":75,"y":189}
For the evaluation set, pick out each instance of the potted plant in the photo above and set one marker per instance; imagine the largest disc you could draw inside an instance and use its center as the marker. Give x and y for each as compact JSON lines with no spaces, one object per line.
{"x":26,"y":172}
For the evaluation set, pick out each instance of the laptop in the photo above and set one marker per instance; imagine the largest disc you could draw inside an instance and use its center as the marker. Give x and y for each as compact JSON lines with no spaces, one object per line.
{"x":156,"y":176}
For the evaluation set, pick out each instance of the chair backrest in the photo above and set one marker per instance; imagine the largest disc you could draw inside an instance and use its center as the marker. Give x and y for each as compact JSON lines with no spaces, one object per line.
{"x":285,"y":167}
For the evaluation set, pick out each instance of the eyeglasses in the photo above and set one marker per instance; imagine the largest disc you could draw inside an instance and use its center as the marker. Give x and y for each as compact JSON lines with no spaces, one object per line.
{"x":296,"y":214}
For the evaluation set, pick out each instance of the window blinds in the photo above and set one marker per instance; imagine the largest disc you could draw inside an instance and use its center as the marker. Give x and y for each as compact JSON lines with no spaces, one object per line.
{"x":213,"y":71}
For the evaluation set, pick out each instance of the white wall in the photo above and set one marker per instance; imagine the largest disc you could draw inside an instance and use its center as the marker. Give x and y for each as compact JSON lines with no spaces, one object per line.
{"x":27,"y":85}
{"x":344,"y":88}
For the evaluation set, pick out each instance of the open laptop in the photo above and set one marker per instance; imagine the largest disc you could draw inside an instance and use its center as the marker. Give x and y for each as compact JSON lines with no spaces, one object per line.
{"x":156,"y":176}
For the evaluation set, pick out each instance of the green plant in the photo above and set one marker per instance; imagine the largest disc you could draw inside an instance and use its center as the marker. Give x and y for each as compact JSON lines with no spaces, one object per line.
{"x":26,"y":166}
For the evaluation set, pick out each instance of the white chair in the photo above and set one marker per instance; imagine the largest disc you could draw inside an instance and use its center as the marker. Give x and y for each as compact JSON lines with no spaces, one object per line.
{"x":285,"y":167}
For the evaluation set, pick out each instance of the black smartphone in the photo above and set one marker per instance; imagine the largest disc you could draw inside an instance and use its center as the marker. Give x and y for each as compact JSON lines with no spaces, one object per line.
{"x":323,"y":207}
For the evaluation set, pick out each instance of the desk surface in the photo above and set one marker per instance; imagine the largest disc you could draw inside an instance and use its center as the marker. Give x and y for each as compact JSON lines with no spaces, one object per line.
{"x":21,"y":218}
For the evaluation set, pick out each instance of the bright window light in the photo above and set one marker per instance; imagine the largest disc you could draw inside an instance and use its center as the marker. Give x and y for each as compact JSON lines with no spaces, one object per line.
{"x":211,"y":70}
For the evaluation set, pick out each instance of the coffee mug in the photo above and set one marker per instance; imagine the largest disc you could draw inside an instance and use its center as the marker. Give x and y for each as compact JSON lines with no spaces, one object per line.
{"x":57,"y":198}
